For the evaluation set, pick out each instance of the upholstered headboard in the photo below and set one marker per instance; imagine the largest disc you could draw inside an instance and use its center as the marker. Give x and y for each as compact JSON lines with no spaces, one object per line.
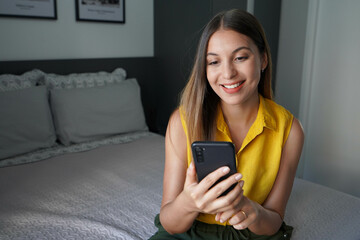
{"x":143,"y":69}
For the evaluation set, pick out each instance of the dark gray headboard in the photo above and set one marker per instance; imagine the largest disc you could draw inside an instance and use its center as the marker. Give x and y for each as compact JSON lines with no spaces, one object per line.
{"x":143,"y":68}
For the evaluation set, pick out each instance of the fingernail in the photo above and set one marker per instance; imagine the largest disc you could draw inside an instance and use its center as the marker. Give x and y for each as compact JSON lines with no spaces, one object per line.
{"x":222,"y":221}
{"x":226,"y":170}
{"x":241,"y":183}
{"x":191,"y":165}
{"x":238,"y":176}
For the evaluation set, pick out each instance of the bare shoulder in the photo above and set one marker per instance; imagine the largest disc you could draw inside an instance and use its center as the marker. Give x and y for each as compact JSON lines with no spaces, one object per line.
{"x":175,"y":131}
{"x":294,"y":143}
{"x":297,"y":132}
{"x":175,"y":140}
{"x":175,"y":119}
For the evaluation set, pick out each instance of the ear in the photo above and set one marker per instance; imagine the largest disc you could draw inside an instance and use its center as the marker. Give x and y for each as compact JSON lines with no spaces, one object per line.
{"x":264,"y":61}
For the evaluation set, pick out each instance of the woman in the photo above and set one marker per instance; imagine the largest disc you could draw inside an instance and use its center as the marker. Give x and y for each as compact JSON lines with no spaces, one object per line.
{"x":228,"y":98}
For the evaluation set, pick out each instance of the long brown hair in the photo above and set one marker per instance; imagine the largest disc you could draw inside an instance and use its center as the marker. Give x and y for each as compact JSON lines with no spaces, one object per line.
{"x":198,"y":101}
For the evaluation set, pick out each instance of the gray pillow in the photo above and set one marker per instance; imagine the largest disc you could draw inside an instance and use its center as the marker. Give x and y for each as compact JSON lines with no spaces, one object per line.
{"x":86,"y":114}
{"x":83,"y":80}
{"x":10,"y":82}
{"x":25,"y":122}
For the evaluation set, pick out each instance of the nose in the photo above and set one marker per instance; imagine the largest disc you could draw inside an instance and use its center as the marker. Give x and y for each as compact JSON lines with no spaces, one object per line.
{"x":228,"y":70}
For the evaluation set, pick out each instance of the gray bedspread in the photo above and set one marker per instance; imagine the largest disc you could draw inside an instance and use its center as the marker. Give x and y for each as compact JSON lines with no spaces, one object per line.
{"x":321,"y":213}
{"x":114,"y":192}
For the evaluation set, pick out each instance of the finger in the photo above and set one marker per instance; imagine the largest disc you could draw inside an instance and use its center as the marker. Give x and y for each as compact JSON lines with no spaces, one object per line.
{"x":190,"y":175}
{"x":203,"y":187}
{"x":212,"y":177}
{"x":238,"y":218}
{"x":233,"y":197}
{"x":242,"y":224}
{"x":230,"y":202}
{"x":224,"y":185}
{"x":218,"y":216}
{"x":230,"y":211}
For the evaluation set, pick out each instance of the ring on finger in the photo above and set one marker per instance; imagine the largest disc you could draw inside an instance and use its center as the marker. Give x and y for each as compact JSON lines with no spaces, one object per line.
{"x":244,"y":213}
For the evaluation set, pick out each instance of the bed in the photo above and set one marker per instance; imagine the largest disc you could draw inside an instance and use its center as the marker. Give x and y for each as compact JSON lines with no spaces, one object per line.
{"x":105,"y":182}
{"x":107,"y":193}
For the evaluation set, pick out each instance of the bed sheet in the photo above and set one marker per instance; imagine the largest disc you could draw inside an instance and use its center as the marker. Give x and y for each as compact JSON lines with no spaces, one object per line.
{"x":320,"y":213}
{"x":111,"y":192}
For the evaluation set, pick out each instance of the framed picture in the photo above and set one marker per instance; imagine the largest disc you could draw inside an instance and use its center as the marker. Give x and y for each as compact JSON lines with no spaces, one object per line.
{"x":28,"y":8}
{"x":101,"y":10}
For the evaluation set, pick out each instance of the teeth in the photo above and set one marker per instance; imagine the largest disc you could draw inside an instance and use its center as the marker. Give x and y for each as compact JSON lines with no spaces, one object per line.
{"x":232,"y":86}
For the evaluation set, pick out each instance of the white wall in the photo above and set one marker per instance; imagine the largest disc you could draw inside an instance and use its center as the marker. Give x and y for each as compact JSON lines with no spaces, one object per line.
{"x":331,"y":103}
{"x":329,"y":87}
{"x":66,"y":38}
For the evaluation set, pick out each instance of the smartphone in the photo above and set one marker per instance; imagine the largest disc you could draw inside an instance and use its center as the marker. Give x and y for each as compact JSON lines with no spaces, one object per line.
{"x":210,"y":155}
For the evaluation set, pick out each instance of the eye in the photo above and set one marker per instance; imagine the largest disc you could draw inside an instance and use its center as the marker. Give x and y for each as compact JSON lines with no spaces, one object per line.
{"x":241,"y":59}
{"x":213,"y":62}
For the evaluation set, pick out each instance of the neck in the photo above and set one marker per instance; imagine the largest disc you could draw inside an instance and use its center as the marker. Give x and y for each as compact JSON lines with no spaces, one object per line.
{"x":243,"y":114}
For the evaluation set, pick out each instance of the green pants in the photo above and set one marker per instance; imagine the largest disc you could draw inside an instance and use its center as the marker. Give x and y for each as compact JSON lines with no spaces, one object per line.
{"x":200,"y":230}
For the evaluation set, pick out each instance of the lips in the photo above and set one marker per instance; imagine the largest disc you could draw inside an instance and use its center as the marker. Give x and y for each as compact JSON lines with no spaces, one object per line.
{"x":232,"y":88}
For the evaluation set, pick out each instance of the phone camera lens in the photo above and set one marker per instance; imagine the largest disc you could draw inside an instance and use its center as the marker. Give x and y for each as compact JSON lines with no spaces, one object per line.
{"x":199,"y":154}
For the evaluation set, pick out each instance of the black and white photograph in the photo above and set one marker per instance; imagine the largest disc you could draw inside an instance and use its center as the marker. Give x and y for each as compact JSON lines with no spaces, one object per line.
{"x":28,"y":8}
{"x":101,"y":10}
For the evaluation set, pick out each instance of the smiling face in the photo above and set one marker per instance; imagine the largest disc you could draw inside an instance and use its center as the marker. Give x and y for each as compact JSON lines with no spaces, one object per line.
{"x":233,"y":66}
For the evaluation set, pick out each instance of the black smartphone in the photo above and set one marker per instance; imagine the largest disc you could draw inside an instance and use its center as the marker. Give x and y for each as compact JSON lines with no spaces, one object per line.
{"x":210,"y":155}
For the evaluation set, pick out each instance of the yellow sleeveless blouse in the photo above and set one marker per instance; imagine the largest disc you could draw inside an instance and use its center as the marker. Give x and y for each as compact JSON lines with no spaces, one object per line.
{"x":258,"y":159}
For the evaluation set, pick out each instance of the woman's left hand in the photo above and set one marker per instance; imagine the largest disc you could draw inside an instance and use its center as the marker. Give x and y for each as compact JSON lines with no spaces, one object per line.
{"x":243,"y":218}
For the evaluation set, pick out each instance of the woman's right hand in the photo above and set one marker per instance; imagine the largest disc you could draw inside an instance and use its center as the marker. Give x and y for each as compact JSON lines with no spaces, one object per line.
{"x":183,"y":197}
{"x":204,"y":200}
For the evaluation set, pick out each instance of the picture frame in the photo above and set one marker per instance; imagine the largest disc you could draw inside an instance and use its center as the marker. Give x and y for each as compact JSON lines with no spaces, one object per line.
{"x":44,"y":9}
{"x":111,"y":11}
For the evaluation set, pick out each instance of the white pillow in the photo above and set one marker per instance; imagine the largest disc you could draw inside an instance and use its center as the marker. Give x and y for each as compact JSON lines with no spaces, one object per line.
{"x":84,"y":114}
{"x":10,"y":82}
{"x":84,"y":80}
{"x":25,"y":123}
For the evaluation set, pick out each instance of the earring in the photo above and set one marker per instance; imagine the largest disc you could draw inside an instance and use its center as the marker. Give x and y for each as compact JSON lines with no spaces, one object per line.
{"x":262,"y":70}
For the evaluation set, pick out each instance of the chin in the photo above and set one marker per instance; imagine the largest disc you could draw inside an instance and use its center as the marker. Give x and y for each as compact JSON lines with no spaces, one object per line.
{"x":231,"y":101}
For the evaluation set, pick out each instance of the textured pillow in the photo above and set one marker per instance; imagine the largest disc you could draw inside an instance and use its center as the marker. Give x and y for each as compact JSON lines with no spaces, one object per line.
{"x":85,"y":114}
{"x":25,"y":122}
{"x":83,"y":80}
{"x":9,"y":82}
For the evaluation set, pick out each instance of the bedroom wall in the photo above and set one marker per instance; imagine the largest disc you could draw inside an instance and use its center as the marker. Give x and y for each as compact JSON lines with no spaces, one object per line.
{"x":66,"y":38}
{"x":268,"y":13}
{"x":291,"y":53}
{"x":322,"y":87}
{"x":329,"y":101}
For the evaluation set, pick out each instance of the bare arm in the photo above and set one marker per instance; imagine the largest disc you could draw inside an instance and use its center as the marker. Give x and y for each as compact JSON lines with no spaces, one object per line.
{"x":183,"y":197}
{"x":173,"y":215}
{"x":266,"y":219}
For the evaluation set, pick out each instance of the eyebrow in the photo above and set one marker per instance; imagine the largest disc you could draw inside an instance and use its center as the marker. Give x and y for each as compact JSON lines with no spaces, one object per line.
{"x":235,"y":51}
